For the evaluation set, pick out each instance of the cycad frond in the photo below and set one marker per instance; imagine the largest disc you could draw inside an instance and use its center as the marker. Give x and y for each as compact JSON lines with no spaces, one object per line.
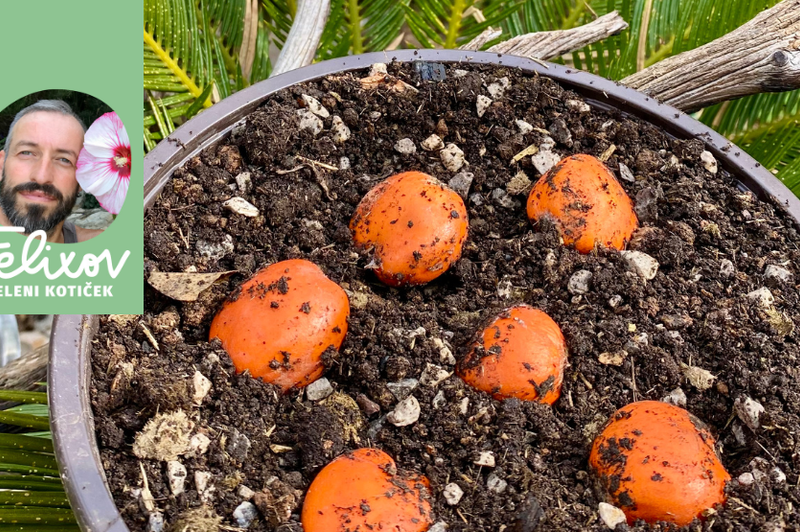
{"x":358,"y":26}
{"x":450,"y":23}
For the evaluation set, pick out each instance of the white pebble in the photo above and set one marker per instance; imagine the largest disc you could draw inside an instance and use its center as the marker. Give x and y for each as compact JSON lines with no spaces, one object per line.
{"x":433,"y":375}
{"x":201,"y":387}
{"x":176,"y":474}
{"x":524,"y":127}
{"x":402,"y":388}
{"x":611,"y":515}
{"x":405,"y":146}
{"x":215,"y":250}
{"x":482,"y":104}
{"x":709,"y":162}
{"x":319,"y":389}
{"x":726,"y":268}
{"x":776,"y":272}
{"x":445,"y":353}
{"x":545,"y":159}
{"x":485,"y":459}
{"x":625,"y":173}
{"x":459,"y":73}
{"x":452,"y":157}
{"x":640,"y":263}
{"x":310,"y":121}
{"x":676,"y":397}
{"x":245,"y":493}
{"x":201,"y":479}
{"x":614,"y":301}
{"x":241,"y":206}
{"x":374,"y":115}
{"x":498,"y":88}
{"x":749,"y":411}
{"x":378,"y":68}
{"x":452,"y":493}
{"x":762,"y":296}
{"x":432,"y":143}
{"x":244,"y":182}
{"x":746,"y":479}
{"x":344,"y":163}
{"x":155,"y":522}
{"x":439,"y":399}
{"x":463,"y":406}
{"x":579,"y":282}
{"x":340,"y":130}
{"x":439,"y":526}
{"x":405,"y":413}
{"x":315,"y":107}
{"x":245,"y":514}
{"x":199,"y":444}
{"x":461,"y":182}
{"x":777,"y":475}
{"x":577,"y":105}
{"x":496,"y":484}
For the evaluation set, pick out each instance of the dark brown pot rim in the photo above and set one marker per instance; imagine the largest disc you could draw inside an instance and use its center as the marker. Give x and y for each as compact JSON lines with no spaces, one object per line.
{"x":69,"y":376}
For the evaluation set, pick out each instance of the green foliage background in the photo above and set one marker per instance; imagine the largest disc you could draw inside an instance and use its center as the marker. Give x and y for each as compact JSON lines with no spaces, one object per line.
{"x":192,"y":51}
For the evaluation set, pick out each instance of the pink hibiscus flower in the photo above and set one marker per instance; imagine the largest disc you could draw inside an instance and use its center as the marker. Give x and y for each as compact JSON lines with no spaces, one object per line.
{"x":104,"y":164}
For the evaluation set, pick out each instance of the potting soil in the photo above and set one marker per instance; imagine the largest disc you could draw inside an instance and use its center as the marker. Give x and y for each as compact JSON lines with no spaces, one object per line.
{"x":715,"y":329}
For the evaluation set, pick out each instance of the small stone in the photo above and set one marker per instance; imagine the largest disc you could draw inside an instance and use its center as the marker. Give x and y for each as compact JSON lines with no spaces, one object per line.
{"x":519,"y":184}
{"x":498,"y":88}
{"x":155,"y":522}
{"x":315,"y":107}
{"x":646,"y":204}
{"x":245,"y":514}
{"x":201,"y":479}
{"x":374,"y":115}
{"x":433,"y":375}
{"x":214,"y":251}
{"x":640,"y":263}
{"x":762,"y":296}
{"x":439,"y":400}
{"x":201,"y":388}
{"x":614,"y":301}
{"x":524,"y":127}
{"x":615,"y":358}
{"x":726,"y":268}
{"x":778,"y":273}
{"x":560,"y":132}
{"x":505,"y":288}
{"x":344,"y":163}
{"x":625,"y":173}
{"x":579,"y":282}
{"x":176,"y":475}
{"x":709,"y":162}
{"x":485,"y":459}
{"x":676,"y":397}
{"x":459,"y":73}
{"x":432,"y":143}
{"x":463,"y":406}
{"x":309,"y":121}
{"x":340,"y":131}
{"x":700,"y":378}
{"x":429,"y":71}
{"x":461,"y":182}
{"x":319,"y":389}
{"x":241,"y":206}
{"x":482,"y":104}
{"x":445,"y":353}
{"x":501,"y":197}
{"x":439,"y":526}
{"x":245,"y":493}
{"x":405,"y":413}
{"x":496,"y":484}
{"x":238,"y":446}
{"x":675,"y":322}
{"x":199,"y":444}
{"x":452,"y":157}
{"x":749,"y":411}
{"x":405,"y":146}
{"x":452,"y":493}
{"x":378,"y":68}
{"x":244,"y":182}
{"x":476,"y":199}
{"x":746,"y":479}
{"x":578,"y":105}
{"x":368,"y":406}
{"x":611,"y":515}
{"x":777,"y":475}
{"x":545,"y":159}
{"x":402,"y":388}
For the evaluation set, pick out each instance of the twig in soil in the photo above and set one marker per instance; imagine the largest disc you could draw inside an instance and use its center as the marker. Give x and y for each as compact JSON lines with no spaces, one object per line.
{"x":633,"y":380}
{"x":743,"y":504}
{"x":765,"y":450}
{"x":585,"y":382}
{"x":150,"y":336}
{"x":185,"y":240}
{"x":530,"y":150}
{"x":316,"y":163}
{"x":461,"y":516}
{"x":608,"y":153}
{"x":291,"y":170}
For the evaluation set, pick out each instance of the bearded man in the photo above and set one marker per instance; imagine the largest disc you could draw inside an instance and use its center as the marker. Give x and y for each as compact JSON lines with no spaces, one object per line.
{"x":38,"y":187}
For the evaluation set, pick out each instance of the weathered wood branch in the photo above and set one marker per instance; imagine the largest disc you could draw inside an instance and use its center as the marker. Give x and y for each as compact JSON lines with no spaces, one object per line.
{"x":763,"y":55}
{"x":550,"y":44}
{"x":303,"y":39}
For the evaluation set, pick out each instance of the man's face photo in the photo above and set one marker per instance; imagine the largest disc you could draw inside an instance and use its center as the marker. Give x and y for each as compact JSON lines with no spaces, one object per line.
{"x":38,"y":187}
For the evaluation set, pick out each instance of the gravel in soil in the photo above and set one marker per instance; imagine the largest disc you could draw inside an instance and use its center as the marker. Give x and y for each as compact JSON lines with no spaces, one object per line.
{"x":697,"y":332}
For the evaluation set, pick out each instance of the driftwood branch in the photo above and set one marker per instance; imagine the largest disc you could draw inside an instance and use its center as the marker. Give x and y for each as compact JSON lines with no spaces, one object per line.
{"x":24,"y":372}
{"x":550,"y":44}
{"x":763,"y":55}
{"x":303,"y":39}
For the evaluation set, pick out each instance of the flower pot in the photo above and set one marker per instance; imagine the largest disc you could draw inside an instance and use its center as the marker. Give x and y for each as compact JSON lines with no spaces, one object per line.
{"x":70,"y":371}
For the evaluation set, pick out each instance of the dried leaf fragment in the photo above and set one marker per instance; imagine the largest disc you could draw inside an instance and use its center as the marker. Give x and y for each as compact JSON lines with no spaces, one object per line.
{"x":700,"y":378}
{"x":184,"y":286}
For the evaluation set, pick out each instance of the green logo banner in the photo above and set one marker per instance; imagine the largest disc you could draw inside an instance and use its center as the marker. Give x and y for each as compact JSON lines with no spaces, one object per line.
{"x":88,"y":55}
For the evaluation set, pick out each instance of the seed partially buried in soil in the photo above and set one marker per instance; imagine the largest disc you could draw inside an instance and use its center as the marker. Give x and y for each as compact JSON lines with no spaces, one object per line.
{"x":521,"y":354}
{"x":415,"y":226}
{"x":657,"y":462}
{"x":363,"y":490}
{"x":586,"y":202}
{"x":284,"y":321}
